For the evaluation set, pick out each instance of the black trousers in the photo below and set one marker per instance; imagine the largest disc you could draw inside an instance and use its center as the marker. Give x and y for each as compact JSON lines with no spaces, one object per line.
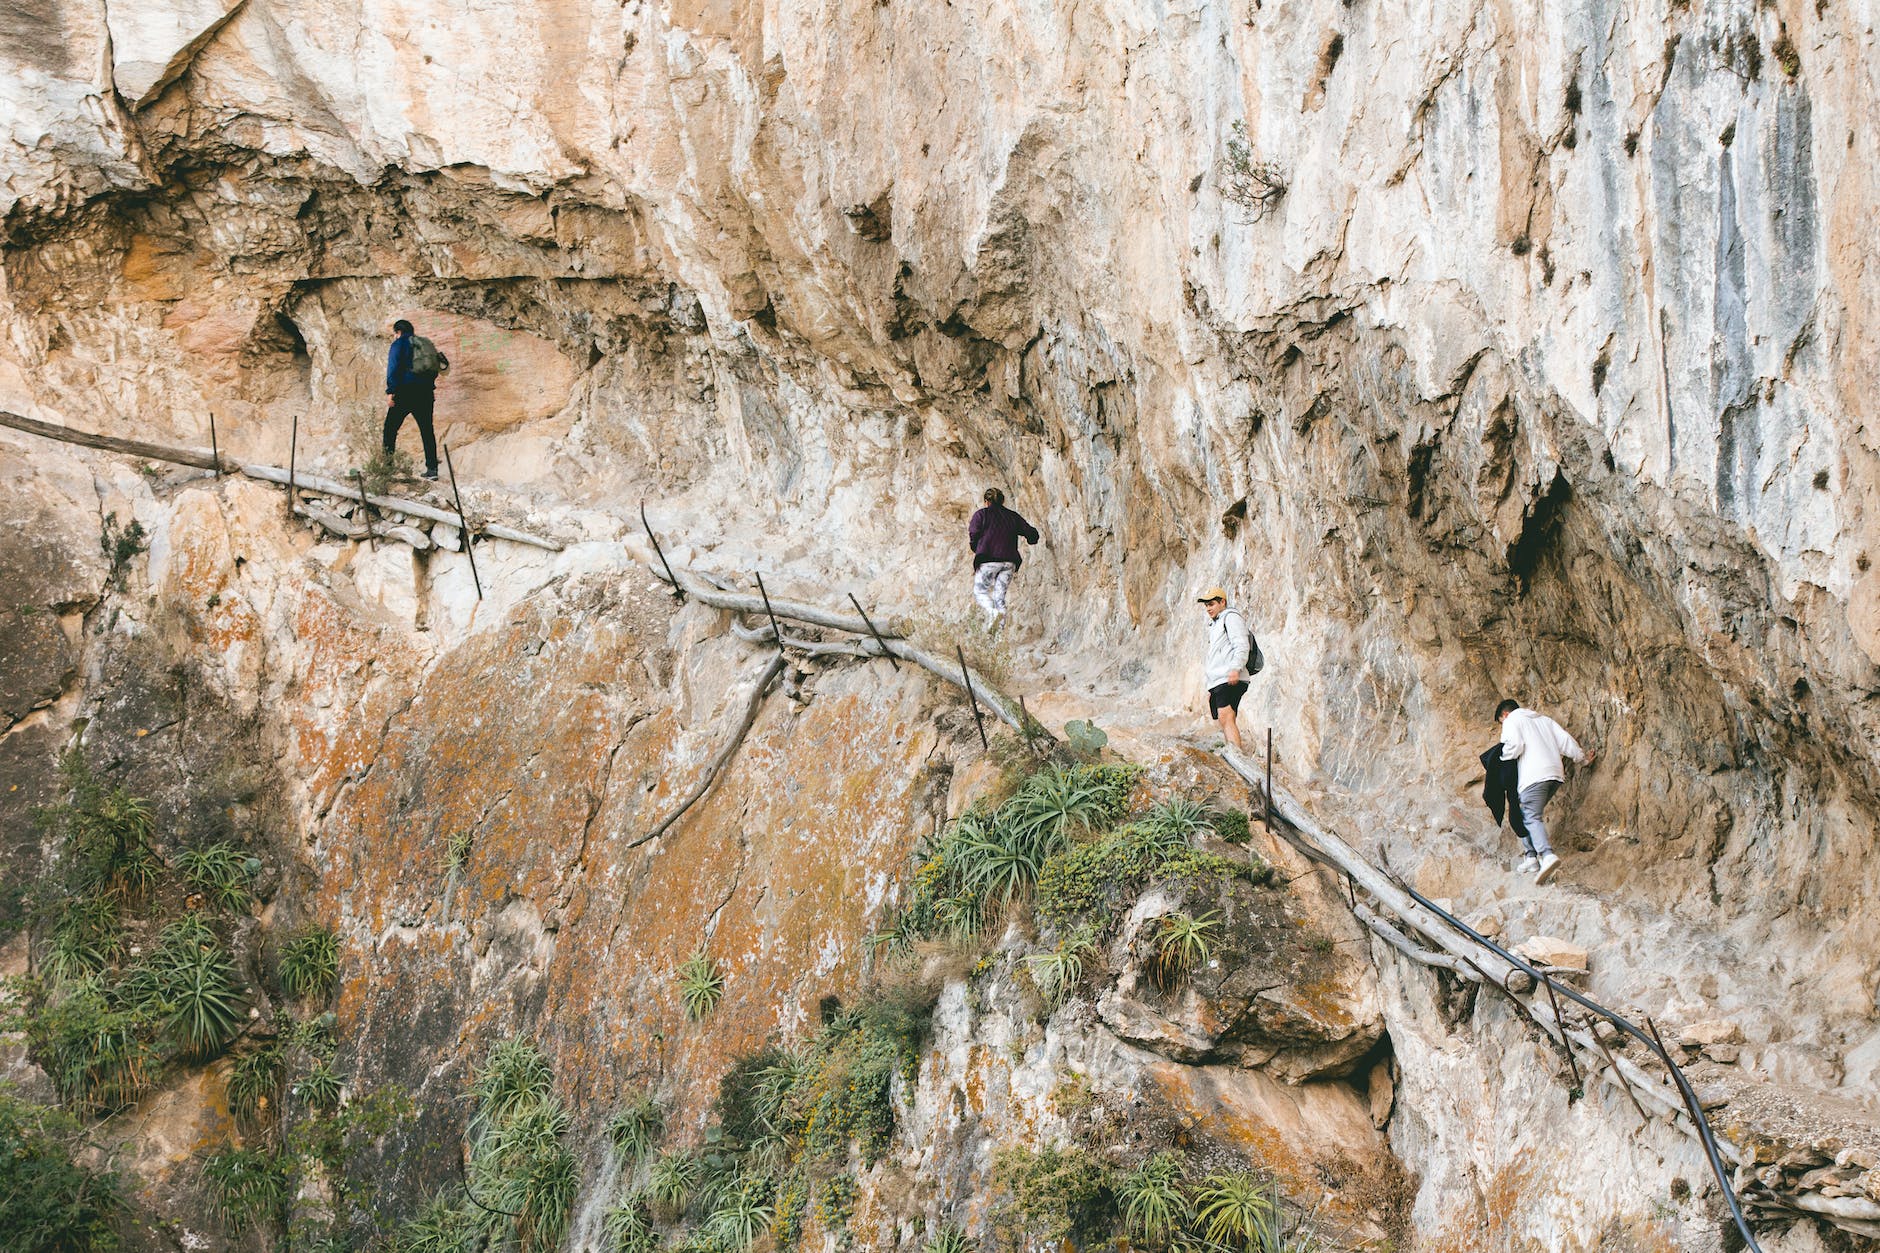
{"x":416,"y":401}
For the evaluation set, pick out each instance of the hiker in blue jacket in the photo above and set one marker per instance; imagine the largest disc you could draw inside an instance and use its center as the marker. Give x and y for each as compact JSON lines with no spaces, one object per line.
{"x":411,"y":370}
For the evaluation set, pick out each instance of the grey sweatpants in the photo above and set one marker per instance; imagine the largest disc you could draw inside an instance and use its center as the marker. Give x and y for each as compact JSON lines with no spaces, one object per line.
{"x":1534,"y":798}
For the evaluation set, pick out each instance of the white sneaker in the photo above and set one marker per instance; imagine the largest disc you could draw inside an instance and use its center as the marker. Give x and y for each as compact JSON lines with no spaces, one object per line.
{"x":1528,"y":864}
{"x":1549,"y":863}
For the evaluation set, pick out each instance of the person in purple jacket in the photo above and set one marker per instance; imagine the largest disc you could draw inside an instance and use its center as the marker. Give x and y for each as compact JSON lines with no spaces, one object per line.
{"x":994,"y":533}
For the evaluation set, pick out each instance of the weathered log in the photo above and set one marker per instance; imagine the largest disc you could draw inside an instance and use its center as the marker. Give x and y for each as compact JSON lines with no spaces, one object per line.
{"x":201,"y":459}
{"x":416,"y":508}
{"x":796,"y":611}
{"x":266,"y":473}
{"x":1399,"y":941}
{"x":715,"y":767}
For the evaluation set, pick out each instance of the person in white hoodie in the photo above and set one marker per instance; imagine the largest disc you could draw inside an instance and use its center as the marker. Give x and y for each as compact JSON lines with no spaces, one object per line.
{"x":1537,"y":743}
{"x":1225,"y":671}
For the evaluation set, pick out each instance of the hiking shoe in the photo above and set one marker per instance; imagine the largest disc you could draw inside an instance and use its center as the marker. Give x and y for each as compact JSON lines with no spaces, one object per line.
{"x":1549,"y":863}
{"x":1528,"y":865}
{"x":430,"y":472}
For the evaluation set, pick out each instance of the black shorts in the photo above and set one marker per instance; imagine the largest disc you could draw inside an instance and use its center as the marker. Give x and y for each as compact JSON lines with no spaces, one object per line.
{"x":1226,"y":696}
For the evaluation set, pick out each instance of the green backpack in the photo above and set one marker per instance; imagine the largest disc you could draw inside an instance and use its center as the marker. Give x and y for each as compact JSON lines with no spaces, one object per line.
{"x":426,"y":361}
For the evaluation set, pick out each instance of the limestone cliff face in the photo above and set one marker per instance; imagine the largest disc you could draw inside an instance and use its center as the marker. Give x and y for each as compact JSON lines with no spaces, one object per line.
{"x":1549,"y":374}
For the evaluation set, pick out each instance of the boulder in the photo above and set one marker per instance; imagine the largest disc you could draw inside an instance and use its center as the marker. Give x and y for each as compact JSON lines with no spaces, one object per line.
{"x":1547,"y":950}
{"x":1711,"y":1031}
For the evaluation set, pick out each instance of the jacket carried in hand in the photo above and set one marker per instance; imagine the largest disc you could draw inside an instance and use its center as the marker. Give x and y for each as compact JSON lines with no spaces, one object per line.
{"x":1537,"y":742}
{"x":994,"y":534}
{"x":1501,"y":789}
{"x":1228,"y":643}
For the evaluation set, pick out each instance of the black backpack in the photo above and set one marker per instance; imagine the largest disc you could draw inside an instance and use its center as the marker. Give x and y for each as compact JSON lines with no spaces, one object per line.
{"x":1256,"y":660}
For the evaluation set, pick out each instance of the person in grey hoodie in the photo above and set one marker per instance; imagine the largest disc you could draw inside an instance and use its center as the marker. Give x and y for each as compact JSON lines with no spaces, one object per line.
{"x":1537,"y":743}
{"x":1225,"y":670}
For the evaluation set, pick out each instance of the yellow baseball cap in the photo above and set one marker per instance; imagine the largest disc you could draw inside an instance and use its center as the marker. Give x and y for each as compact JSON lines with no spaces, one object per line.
{"x":1213,"y":593}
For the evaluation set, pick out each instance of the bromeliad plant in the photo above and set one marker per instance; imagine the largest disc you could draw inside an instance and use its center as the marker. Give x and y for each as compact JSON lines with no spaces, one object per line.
{"x":636,"y":1129}
{"x":1183,"y":942}
{"x":700,"y":985}
{"x":1154,"y":1199}
{"x":310,"y":964}
{"x":222,"y":873}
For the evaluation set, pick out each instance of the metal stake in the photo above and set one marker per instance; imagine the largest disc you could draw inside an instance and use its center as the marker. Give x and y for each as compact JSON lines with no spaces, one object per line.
{"x":463,"y":522}
{"x":677,"y":591}
{"x":293,"y":448}
{"x":873,"y":632}
{"x":972,"y":696}
{"x":1025,"y":721}
{"x":774,"y":628}
{"x":371,"y":543}
{"x":1269,"y":779}
{"x":215,"y":449}
{"x":1561,"y":1023}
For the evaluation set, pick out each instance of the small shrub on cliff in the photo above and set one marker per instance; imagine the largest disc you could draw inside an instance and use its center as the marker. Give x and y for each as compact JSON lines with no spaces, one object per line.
{"x":1051,"y":1196}
{"x":86,"y":937}
{"x":1254,"y":186}
{"x":446,"y":1224}
{"x":120,"y":544}
{"x":700,"y":986}
{"x":50,"y":1203}
{"x":310,"y":964}
{"x":742,"y":1213}
{"x":99,"y":1057}
{"x":1231,"y":825}
{"x":319,"y":1087}
{"x":513,"y":1078}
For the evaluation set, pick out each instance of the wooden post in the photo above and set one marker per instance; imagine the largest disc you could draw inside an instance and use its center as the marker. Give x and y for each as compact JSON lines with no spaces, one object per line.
{"x":215,"y":450}
{"x":678,"y":592}
{"x":463,"y":523}
{"x":365,"y":504}
{"x":966,"y":676}
{"x":871,"y":630}
{"x":293,"y":449}
{"x":774,"y":628}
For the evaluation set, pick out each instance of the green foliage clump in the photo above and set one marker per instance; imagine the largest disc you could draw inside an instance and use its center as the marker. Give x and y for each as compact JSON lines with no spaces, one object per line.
{"x":1182,"y":943}
{"x":630,"y":1227}
{"x":310,"y":964}
{"x":99,"y":1054}
{"x":670,"y":1184}
{"x":1052,"y":1195}
{"x":948,"y":1238}
{"x":221,"y":872}
{"x":1154,"y":1199}
{"x":741,"y":1213}
{"x":700,"y":986}
{"x":1240,"y":1211}
{"x":248,"y":1187}
{"x":1056,"y":972}
{"x":446,"y":1224}
{"x":48,"y":1202}
{"x":636,"y":1129}
{"x":120,"y":544}
{"x":521,"y":1164}
{"x":319,"y":1087}
{"x":457,"y":851}
{"x":835,"y":1205}
{"x":790,"y":1207}
{"x":990,"y":857}
{"x":192,"y":978}
{"x":254,"y":1082}
{"x":1231,"y":825}
{"x":87,"y":936}
{"x":1087,"y":880}
{"x":103,"y":835}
